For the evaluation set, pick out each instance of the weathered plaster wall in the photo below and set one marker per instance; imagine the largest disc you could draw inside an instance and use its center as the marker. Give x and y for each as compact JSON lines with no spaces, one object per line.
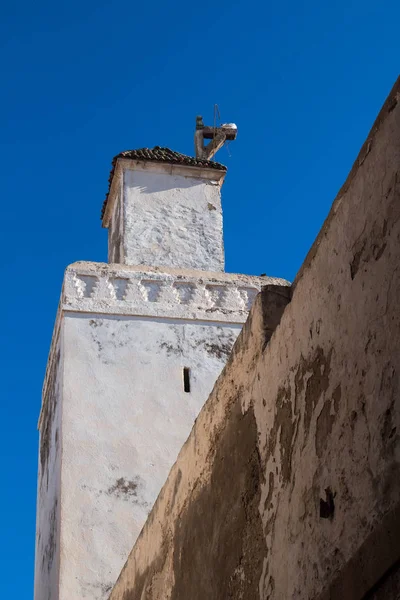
{"x":289,"y":484}
{"x":48,"y":493}
{"x":172,"y":220}
{"x":125,"y":418}
{"x":128,"y":332}
{"x":159,"y":292}
{"x":115,"y":232}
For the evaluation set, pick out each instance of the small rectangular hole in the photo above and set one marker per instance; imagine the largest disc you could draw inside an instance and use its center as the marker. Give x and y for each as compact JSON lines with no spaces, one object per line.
{"x":186,"y":379}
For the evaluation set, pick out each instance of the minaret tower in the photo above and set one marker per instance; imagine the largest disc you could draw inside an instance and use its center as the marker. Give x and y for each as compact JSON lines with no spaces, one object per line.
{"x":138,"y":344}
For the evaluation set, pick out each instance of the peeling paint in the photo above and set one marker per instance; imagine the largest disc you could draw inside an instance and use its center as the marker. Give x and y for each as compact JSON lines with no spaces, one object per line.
{"x":319,"y":367}
{"x":284,"y":424}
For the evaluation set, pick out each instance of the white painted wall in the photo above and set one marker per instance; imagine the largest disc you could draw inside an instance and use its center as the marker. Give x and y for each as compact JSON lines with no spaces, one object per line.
{"x":128,"y":330}
{"x":160,"y":292}
{"x":115,"y":383}
{"x":125,"y":418}
{"x":171,"y":220}
{"x":49,"y":476}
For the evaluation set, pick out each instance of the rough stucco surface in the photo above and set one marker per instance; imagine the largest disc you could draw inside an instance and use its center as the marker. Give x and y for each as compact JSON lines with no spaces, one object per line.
{"x":128,"y":332}
{"x":48,"y":495}
{"x":125,"y":418}
{"x":172,"y":220}
{"x":151,"y":292}
{"x":289,"y":484}
{"x":115,"y":233}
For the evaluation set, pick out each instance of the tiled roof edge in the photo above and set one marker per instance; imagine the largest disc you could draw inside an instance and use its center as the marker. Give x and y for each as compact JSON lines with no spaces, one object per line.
{"x":161,"y":155}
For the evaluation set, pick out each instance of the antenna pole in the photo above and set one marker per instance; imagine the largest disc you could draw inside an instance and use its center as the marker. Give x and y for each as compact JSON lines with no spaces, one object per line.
{"x":217,"y":136}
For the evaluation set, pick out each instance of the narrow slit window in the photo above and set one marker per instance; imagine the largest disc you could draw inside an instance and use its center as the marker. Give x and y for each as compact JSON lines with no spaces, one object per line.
{"x":186,"y":379}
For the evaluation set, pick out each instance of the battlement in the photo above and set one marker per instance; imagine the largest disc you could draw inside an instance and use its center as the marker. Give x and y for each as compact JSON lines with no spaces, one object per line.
{"x":158,"y":292}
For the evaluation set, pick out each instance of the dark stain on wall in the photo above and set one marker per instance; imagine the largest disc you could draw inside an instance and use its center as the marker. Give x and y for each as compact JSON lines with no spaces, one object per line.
{"x":219,"y":545}
{"x":95,"y":590}
{"x":171,"y":349}
{"x":373,"y":246}
{"x":337,"y":396}
{"x":317,"y":384}
{"x":355,"y":263}
{"x":284,"y":425}
{"x":176,"y":487}
{"x":221,"y":350}
{"x":124,"y":488}
{"x":268,"y":499}
{"x":115,"y":235}
{"x":325,"y":421}
{"x":48,"y":417}
{"x":94,"y":324}
{"x":106,"y":588}
{"x":389,"y":388}
{"x":312,"y":379}
{"x":50,"y":547}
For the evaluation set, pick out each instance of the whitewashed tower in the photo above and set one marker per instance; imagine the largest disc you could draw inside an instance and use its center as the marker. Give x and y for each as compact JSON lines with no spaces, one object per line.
{"x":137,"y":347}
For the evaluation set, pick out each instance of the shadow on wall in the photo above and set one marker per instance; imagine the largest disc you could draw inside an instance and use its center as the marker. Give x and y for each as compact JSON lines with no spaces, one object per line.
{"x":162,"y":182}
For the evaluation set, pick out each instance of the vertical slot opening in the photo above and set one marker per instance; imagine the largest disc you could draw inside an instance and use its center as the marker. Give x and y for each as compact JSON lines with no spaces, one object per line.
{"x":186,"y":379}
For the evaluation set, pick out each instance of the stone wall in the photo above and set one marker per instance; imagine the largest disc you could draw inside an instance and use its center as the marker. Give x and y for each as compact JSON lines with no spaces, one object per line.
{"x":289,"y":484}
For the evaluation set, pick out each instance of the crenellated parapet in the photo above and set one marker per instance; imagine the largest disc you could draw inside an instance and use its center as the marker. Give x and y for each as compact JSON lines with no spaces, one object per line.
{"x":169,"y":293}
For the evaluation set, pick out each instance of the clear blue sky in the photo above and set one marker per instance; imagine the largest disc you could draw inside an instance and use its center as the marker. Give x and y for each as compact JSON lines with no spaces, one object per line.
{"x":82,"y":81}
